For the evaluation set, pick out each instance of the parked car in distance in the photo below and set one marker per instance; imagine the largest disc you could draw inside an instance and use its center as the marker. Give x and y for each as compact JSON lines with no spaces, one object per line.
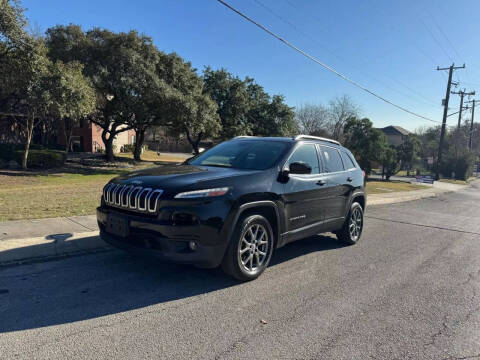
{"x":234,"y":204}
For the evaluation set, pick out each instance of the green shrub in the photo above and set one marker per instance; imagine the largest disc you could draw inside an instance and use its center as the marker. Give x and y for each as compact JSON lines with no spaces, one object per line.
{"x":7,"y":151}
{"x":128,"y":148}
{"x":462,"y":166}
{"x":41,"y":158}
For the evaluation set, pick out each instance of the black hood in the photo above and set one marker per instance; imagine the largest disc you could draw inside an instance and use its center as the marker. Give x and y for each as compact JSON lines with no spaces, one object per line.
{"x":180,"y":176}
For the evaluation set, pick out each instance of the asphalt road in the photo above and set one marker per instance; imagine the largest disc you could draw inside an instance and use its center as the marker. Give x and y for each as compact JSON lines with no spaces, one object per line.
{"x":409,"y":290}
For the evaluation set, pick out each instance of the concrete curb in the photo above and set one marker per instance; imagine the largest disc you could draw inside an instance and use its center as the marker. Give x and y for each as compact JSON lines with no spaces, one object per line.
{"x":18,"y":251}
{"x":383,"y":199}
{"x":18,"y":229}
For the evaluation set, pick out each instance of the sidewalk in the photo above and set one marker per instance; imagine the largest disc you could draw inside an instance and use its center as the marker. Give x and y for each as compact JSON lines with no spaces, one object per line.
{"x":31,"y":240}
{"x":39,"y":239}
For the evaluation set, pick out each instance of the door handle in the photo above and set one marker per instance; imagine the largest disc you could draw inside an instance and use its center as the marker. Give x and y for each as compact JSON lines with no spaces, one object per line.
{"x":321,"y":182}
{"x":349,"y":179}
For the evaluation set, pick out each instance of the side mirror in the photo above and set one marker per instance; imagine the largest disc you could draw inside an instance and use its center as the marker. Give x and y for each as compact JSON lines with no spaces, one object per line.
{"x":300,"y":168}
{"x":283,"y":176}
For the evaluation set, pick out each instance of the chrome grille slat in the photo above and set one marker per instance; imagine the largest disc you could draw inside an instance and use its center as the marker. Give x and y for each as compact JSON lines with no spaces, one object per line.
{"x":139,"y":196}
{"x":149,"y":200}
{"x":115,"y":193}
{"x":132,"y":197}
{"x":125,"y":188}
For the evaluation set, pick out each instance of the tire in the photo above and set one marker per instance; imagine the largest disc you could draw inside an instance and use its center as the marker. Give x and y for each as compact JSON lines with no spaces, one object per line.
{"x":351,"y":232}
{"x":250,"y":248}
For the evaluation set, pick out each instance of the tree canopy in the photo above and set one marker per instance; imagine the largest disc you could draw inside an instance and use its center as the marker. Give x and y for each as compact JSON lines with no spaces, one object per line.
{"x":364,"y":141}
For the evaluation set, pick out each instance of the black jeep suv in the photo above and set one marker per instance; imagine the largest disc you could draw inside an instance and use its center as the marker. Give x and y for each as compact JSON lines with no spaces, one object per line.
{"x":235,"y":203}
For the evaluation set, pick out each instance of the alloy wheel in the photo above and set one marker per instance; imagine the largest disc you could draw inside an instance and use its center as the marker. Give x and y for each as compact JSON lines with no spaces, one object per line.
{"x":355,"y":225}
{"x":253,"y":248}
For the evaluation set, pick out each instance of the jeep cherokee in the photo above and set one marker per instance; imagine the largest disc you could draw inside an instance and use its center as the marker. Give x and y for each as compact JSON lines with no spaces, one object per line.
{"x":235,"y":203}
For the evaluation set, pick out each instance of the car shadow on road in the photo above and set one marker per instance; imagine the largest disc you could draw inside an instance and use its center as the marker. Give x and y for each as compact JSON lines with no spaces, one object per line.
{"x":95,"y":285}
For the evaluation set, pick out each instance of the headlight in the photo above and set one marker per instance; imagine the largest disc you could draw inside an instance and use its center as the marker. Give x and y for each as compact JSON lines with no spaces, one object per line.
{"x":202,"y":193}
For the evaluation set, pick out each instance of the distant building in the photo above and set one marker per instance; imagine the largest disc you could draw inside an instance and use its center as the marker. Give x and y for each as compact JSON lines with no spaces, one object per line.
{"x":88,"y":138}
{"x":395,"y":134}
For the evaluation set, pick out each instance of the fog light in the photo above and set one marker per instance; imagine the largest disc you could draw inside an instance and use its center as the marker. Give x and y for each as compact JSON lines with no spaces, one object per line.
{"x":192,"y":245}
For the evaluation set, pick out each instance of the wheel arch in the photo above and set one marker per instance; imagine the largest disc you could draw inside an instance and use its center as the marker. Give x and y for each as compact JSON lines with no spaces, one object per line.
{"x":361,"y":199}
{"x":267,"y":208}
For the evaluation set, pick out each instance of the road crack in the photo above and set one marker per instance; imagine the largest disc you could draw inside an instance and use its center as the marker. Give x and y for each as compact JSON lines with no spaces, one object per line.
{"x":477,"y":356}
{"x":455,"y":324}
{"x":423,"y":225}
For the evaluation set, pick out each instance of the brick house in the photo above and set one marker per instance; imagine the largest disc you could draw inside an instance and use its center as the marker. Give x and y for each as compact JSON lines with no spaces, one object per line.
{"x":88,"y":138}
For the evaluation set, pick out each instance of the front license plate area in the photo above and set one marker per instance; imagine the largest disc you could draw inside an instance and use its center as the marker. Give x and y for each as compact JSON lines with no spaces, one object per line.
{"x":117,"y":225}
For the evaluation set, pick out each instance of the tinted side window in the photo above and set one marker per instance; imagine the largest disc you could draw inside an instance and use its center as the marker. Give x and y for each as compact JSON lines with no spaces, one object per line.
{"x":347,"y":161}
{"x":331,"y":159}
{"x":307,"y":154}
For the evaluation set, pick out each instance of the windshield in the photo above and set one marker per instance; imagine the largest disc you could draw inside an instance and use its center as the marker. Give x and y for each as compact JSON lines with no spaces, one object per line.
{"x":251,"y":155}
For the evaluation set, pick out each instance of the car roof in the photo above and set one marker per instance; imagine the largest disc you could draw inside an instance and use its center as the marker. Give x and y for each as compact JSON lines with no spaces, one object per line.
{"x":291,"y":139}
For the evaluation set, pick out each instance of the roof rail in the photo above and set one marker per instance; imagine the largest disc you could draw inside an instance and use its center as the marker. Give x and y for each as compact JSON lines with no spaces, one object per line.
{"x":244,"y":136}
{"x":298,"y":137}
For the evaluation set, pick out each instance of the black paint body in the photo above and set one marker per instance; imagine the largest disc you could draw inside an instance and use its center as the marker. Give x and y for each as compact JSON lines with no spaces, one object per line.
{"x":296,"y":205}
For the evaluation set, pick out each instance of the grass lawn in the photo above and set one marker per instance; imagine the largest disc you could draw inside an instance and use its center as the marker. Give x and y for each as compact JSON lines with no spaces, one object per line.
{"x":41,"y":196}
{"x":382,"y":187}
{"x":65,"y":192}
{"x":150,"y":155}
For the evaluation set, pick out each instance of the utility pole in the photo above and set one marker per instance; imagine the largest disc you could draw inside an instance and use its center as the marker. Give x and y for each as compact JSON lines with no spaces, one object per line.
{"x":462,"y":93}
{"x":471,"y":125}
{"x":444,"y":121}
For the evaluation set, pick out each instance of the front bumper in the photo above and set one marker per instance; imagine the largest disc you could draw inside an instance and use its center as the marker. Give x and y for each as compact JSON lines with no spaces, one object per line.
{"x":155,"y":238}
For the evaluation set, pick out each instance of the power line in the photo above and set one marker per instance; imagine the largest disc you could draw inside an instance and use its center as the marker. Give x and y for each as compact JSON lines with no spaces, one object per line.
{"x":436,"y":40}
{"x":460,"y":57}
{"x":329,"y":68}
{"x":425,"y":99}
{"x":443,"y":33}
{"x":445,"y":36}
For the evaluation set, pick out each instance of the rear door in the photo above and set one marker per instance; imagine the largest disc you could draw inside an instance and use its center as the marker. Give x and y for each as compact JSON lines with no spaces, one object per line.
{"x":337,"y":187}
{"x":303,"y":193}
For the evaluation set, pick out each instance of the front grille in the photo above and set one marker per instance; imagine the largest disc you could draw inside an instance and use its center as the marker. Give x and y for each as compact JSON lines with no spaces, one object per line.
{"x":131,"y":197}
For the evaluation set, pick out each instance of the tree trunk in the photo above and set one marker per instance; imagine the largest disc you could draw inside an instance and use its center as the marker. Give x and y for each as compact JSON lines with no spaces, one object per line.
{"x":194,"y":143}
{"x":30,"y":122}
{"x":67,"y":134}
{"x":139,"y":139}
{"x":109,"y":156}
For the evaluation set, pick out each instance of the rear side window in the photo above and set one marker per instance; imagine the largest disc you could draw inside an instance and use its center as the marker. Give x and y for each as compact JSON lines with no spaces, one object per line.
{"x":308,"y":155}
{"x":347,"y":161}
{"x":332,"y":161}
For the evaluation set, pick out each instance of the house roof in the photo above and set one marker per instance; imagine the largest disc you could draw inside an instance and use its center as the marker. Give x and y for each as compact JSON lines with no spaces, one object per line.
{"x":395,"y":130}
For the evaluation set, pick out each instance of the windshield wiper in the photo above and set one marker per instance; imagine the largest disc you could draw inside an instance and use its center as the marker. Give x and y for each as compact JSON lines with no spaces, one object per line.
{"x":218,"y":165}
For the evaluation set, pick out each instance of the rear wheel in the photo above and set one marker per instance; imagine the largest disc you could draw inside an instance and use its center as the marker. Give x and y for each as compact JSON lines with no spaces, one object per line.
{"x":250,"y":249}
{"x":351,"y":231}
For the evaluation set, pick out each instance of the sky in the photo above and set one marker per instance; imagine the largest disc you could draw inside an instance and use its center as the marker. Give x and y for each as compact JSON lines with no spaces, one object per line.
{"x":392,"y":47}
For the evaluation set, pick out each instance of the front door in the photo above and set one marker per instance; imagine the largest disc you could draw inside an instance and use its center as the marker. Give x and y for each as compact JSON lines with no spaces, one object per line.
{"x":303,"y":193}
{"x":336,"y":188}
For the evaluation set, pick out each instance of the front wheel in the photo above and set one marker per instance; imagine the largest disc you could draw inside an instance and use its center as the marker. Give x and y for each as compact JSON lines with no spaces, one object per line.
{"x":250,"y":249}
{"x":351,"y":231}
